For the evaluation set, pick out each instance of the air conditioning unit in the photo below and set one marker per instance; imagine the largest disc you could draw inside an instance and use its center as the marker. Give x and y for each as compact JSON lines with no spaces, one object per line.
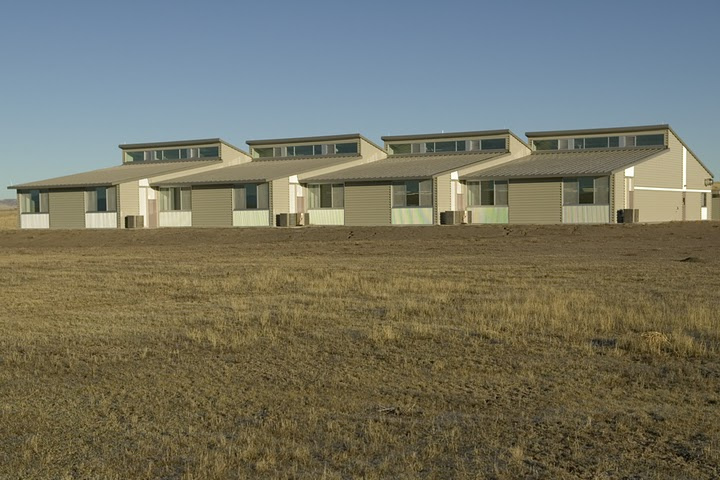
{"x":134,"y":221}
{"x":286,"y":219}
{"x":455,"y":217}
{"x":628,"y":215}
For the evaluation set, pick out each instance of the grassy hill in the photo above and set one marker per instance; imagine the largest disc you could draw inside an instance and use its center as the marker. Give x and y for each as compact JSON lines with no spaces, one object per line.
{"x":438,"y":352}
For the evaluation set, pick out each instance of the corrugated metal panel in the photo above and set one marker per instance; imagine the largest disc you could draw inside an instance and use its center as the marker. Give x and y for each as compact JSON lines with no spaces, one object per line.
{"x":120,"y":174}
{"x":489,"y":214}
{"x":407,"y":167}
{"x":535,"y":201}
{"x":586,"y":214}
{"x":251,"y":218}
{"x":568,"y":163}
{"x":327,"y":216}
{"x":693,"y":205}
{"x":279,"y":197}
{"x":34,"y":220}
{"x":67,"y":209}
{"x":101,"y":220}
{"x":443,"y":195}
{"x":658,"y":206}
{"x":663,"y":170}
{"x":212,"y":206}
{"x":175,"y":219}
{"x":412,"y":216}
{"x":367,"y":204}
{"x":128,"y":201}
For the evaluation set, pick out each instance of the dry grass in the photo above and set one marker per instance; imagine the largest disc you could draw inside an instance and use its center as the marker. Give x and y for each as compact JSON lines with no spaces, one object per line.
{"x":490,"y":352}
{"x":8,"y":219}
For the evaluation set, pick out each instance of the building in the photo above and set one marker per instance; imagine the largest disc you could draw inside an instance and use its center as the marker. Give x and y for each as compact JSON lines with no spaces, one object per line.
{"x":271,"y":189}
{"x":419,"y":180}
{"x":105,"y":198}
{"x":644,"y":173}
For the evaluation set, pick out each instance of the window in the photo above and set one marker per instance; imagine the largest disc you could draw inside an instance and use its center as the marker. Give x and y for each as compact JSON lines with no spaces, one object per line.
{"x":599,"y":142}
{"x":346,"y":148}
{"x":488,"y":193}
{"x":545,"y":144}
{"x":649,"y":140}
{"x":493,"y":144}
{"x":326,"y":196}
{"x":175,"y":199}
{"x":400,"y":148}
{"x":100,"y":199}
{"x":34,"y":201}
{"x":412,"y":193}
{"x":448,"y":146}
{"x":307,"y":150}
{"x":703,"y":200}
{"x":208,"y":152}
{"x":172,"y":154}
{"x":586,"y":191}
{"x":250,"y":196}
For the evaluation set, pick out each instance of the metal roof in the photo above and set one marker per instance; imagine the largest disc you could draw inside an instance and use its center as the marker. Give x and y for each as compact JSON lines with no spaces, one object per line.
{"x":572,"y":162}
{"x":116,"y":175}
{"x":597,"y":131}
{"x":260,"y":170}
{"x":408,"y":167}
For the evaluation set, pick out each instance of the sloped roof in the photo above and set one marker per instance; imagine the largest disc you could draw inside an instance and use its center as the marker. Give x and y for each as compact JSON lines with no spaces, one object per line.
{"x":116,"y":175}
{"x":260,"y":170}
{"x":408,"y":167}
{"x":571,"y":162}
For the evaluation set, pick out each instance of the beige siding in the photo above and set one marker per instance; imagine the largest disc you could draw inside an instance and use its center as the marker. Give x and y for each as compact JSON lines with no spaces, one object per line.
{"x":714,"y":205}
{"x":212,"y":206}
{"x":279,"y":197}
{"x":696,"y":174}
{"x":230,"y":156}
{"x":367,"y":204}
{"x":664,"y":170}
{"x":370,"y":152}
{"x":692,"y":206}
{"x":442,"y":192}
{"x":658,"y":206}
{"x":535,"y":201}
{"x":67,"y":208}
{"x":517,"y":148}
{"x":128,"y":201}
{"x":617,"y":195}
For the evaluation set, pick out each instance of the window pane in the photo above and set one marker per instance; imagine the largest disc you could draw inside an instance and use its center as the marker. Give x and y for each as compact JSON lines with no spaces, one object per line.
{"x":475,"y":145}
{"x":314,"y":196}
{"x":44,"y":202}
{"x":563,"y":144}
{"x":545,"y":144}
{"x":317,"y":149}
{"x":338,"y":196}
{"x":171,"y":154}
{"x":586,"y":193}
{"x":487,"y":192}
{"x":501,"y":193}
{"x":579,"y":143}
{"x":602,"y":191}
{"x":429,"y":147}
{"x":303,"y":150}
{"x":426,"y":193}
{"x":445,"y":146}
{"x":262,"y":196}
{"x":134,"y":156}
{"x":34,"y":201}
{"x":251,"y":196}
{"x":461,"y":146}
{"x":473,"y":189}
{"x":239,"y":197}
{"x":111,"y":199}
{"x":647,"y":140}
{"x":263,"y":152}
{"x":596,"y":142}
{"x":412,"y":193}
{"x":417,"y":147}
{"x":156,"y":154}
{"x":398,"y":190}
{"x":400,"y":148}
{"x":176,"y":202}
{"x":499,"y":144}
{"x":344,"y":148}
{"x":570,"y":191}
{"x":101,"y":199}
{"x":185,"y":199}
{"x":614,"y":141}
{"x":326,"y":196}
{"x":209,"y":152}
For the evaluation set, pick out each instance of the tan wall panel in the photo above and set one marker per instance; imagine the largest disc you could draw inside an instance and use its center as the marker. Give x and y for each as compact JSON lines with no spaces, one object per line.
{"x":367,"y":204}
{"x":212,"y":206}
{"x":664,"y":170}
{"x":617,"y":194}
{"x":535,"y":201}
{"x":67,"y":208}
{"x":714,"y":205}
{"x":279,"y":197}
{"x":128,"y":201}
{"x":230,"y":156}
{"x":442,"y":193}
{"x":654,"y":206}
{"x":692,"y":205}
{"x":696,"y":174}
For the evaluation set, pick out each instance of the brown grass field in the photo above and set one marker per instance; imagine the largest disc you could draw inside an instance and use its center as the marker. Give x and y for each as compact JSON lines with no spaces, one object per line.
{"x":417,"y":352}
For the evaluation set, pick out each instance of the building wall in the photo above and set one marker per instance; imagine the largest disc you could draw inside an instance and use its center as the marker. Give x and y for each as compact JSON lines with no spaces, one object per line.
{"x":367,"y":203}
{"x":662,"y":171}
{"x":489,"y":214}
{"x":67,"y":208}
{"x":617,"y":194}
{"x":692,"y":206}
{"x":535,"y":201}
{"x":212,"y":206}
{"x":128,"y":201}
{"x":442,"y":195}
{"x":658,"y":206}
{"x":696,"y":174}
{"x":714,"y":204}
{"x":279,"y":198}
{"x":230,"y":156}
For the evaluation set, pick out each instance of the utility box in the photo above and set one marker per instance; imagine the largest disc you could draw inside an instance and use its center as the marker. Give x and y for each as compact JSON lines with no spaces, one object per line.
{"x":134,"y":221}
{"x":628,"y":215}
{"x":286,"y":219}
{"x":455,"y":217}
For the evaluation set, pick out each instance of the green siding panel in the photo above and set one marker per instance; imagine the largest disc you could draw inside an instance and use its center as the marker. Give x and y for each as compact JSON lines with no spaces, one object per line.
{"x":535,"y":201}
{"x":212,"y":207}
{"x":67,"y":208}
{"x":367,"y":204}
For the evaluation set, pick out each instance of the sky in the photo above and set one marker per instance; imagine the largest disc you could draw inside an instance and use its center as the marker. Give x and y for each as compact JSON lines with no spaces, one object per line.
{"x":79,"y":78}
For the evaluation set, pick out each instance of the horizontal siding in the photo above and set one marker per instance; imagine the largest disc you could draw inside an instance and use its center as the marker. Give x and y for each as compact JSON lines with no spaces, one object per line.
{"x":617,"y":183}
{"x":367,"y":204}
{"x":693,"y":204}
{"x":67,"y":208}
{"x":34,"y":220}
{"x":212,"y":207}
{"x":715,"y":208}
{"x":696,"y":174}
{"x":535,"y":201}
{"x":586,"y":214}
{"x":443,"y":194}
{"x":654,"y":206}
{"x":664,"y":170}
{"x":101,"y":220}
{"x":327,"y":216}
{"x":128,"y":201}
{"x":280,"y":196}
{"x":489,"y":214}
{"x":175,"y":219}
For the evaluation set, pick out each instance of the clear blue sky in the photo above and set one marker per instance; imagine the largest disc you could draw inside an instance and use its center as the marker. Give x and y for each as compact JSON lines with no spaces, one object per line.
{"x":80,"y":77}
